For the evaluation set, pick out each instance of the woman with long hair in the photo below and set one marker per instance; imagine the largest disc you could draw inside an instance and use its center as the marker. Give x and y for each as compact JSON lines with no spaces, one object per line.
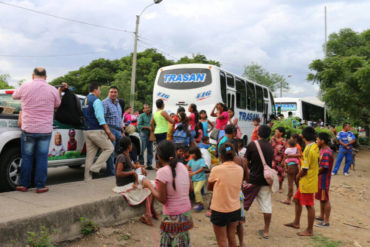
{"x":172,"y":190}
{"x":222,"y":118}
{"x":193,"y":121}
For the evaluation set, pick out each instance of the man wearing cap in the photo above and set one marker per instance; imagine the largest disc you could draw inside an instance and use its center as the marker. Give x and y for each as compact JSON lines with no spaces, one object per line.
{"x":113,"y":117}
{"x":38,"y":101}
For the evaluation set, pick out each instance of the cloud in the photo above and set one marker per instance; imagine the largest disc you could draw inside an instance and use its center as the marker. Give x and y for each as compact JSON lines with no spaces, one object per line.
{"x":283,"y":36}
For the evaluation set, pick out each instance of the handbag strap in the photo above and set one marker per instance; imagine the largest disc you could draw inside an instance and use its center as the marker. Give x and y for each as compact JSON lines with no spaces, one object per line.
{"x":260,"y":153}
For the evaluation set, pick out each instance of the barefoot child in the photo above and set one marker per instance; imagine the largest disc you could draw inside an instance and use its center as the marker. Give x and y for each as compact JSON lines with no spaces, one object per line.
{"x":291,"y":167}
{"x":207,"y":125}
{"x":326,"y":165}
{"x":197,"y":165}
{"x":225,"y":181}
{"x":308,"y":183}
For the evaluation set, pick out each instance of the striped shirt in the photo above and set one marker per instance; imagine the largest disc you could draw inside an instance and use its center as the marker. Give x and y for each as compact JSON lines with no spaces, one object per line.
{"x":326,"y":161}
{"x":38,"y":101}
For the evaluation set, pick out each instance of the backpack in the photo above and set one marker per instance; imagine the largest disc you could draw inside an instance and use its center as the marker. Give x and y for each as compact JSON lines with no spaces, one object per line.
{"x":69,"y":111}
{"x":180,"y":136}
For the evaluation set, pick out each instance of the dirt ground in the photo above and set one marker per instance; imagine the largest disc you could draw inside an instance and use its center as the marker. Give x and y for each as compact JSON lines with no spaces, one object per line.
{"x":350,"y":220}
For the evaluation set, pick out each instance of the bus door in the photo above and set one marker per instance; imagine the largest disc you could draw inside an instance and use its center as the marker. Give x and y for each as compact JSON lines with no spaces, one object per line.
{"x":230,"y":92}
{"x":265,"y":112}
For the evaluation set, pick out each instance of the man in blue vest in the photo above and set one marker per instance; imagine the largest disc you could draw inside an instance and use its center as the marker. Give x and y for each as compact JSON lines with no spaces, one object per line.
{"x":346,"y":140}
{"x":96,"y":132}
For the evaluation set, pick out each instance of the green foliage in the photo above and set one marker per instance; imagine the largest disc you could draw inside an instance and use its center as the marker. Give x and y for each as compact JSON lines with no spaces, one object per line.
{"x":363,"y":140}
{"x":118,"y":73}
{"x":321,"y":241}
{"x":325,"y":130}
{"x":260,"y":75}
{"x":4,"y":81}
{"x":87,"y":226}
{"x":345,"y":75}
{"x":39,"y":240}
{"x":290,"y":126}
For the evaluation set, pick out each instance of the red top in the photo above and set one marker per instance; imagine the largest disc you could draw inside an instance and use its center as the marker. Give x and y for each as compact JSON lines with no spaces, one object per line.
{"x":255,"y":134}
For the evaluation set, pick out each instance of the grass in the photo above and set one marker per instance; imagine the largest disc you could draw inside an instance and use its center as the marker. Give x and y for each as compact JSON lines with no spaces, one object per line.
{"x":87,"y":226}
{"x":322,"y":241}
{"x":39,"y":240}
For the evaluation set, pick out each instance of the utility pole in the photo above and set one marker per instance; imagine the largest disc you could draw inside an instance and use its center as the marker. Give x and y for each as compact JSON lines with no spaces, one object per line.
{"x":326,"y":33}
{"x":133,"y":71}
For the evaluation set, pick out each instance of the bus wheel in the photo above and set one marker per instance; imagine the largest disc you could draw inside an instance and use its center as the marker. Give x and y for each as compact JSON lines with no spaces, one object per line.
{"x":245,"y":141}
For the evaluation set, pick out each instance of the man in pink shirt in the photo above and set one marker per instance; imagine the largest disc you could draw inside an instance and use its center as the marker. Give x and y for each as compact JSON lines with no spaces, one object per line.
{"x":38,"y":101}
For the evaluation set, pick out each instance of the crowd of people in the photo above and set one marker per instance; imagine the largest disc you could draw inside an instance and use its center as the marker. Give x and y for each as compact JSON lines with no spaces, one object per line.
{"x":182,"y":141}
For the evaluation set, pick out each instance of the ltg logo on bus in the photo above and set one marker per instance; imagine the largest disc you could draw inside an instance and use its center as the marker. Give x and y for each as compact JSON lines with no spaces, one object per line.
{"x":163,"y":95}
{"x":203,"y":95}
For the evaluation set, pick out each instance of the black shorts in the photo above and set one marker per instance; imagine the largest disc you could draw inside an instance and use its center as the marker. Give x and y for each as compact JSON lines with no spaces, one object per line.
{"x":223,"y":219}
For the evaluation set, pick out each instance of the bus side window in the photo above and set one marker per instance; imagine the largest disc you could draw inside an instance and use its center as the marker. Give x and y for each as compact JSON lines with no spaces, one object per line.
{"x":223,"y":86}
{"x":259,"y":98}
{"x":230,"y":80}
{"x":241,"y":94}
{"x":265,"y":93}
{"x":251,"y":97}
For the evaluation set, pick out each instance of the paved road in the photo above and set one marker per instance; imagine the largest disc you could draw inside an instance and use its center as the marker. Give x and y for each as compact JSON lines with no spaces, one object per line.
{"x":63,"y":174}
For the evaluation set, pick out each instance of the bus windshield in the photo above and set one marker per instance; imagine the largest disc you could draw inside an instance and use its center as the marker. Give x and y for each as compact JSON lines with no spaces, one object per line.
{"x":185,"y":78}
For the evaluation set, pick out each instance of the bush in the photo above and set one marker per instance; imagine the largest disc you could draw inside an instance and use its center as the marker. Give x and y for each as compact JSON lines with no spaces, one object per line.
{"x":363,"y":140}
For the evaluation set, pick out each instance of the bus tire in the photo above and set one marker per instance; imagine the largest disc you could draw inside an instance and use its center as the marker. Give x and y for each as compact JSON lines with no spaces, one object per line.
{"x":10,"y":168}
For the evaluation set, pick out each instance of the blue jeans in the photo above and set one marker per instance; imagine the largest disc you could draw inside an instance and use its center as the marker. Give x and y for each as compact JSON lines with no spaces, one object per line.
{"x":341,"y":155}
{"x":111,"y":170}
{"x":148,"y":145}
{"x":34,"y":147}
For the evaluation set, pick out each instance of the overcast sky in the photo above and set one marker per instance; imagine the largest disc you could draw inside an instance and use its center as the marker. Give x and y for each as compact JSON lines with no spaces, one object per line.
{"x":283,"y":36}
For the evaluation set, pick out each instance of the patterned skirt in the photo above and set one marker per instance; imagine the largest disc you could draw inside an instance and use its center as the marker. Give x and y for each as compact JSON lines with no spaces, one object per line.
{"x":175,"y":230}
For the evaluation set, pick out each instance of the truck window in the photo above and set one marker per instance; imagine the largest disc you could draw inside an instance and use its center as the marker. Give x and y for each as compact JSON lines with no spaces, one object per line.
{"x":9,"y":105}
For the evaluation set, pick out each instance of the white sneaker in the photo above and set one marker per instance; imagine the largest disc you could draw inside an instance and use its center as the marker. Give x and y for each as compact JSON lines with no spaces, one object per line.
{"x":346,"y":174}
{"x":333,"y":174}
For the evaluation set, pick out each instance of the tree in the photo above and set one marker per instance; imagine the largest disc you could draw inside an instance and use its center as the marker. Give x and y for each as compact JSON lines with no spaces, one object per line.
{"x":260,"y":75}
{"x":4,"y":81}
{"x":197,"y":58}
{"x":344,"y":76}
{"x":118,"y":73}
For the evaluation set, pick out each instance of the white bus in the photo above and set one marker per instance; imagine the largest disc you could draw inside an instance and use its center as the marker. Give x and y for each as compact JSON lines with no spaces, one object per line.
{"x":205,"y":85}
{"x":307,"y":109}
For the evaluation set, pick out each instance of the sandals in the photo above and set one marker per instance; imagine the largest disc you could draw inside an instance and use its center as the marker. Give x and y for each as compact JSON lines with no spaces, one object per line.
{"x":262,"y":234}
{"x":146,"y":220}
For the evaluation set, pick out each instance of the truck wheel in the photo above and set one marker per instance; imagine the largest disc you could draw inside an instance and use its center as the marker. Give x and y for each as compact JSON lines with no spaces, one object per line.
{"x":10,"y":170}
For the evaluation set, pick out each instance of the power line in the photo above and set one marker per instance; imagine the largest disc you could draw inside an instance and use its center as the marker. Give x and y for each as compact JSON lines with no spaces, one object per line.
{"x":51,"y":55}
{"x":65,"y":18}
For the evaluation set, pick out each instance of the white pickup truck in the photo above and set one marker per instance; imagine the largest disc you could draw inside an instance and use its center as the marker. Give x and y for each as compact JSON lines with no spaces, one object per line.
{"x":67,"y":144}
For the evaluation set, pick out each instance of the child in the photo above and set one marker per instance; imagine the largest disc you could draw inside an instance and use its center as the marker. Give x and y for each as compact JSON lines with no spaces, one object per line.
{"x":278,"y":143}
{"x":197,"y":165}
{"x":198,"y":139}
{"x":170,"y":128}
{"x":326,"y":165}
{"x":126,"y":175}
{"x":308,"y":183}
{"x":291,"y":167}
{"x":205,"y":123}
{"x":181,"y":134}
{"x":256,"y":122}
{"x":241,"y":148}
{"x":58,"y":149}
{"x":72,"y":143}
{"x":205,"y":143}
{"x":180,"y":153}
{"x":187,"y":156}
{"x":225,"y":204}
{"x":172,"y":190}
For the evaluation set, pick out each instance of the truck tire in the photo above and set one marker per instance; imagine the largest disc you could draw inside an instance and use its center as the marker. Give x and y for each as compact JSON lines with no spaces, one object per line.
{"x":10,"y":168}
